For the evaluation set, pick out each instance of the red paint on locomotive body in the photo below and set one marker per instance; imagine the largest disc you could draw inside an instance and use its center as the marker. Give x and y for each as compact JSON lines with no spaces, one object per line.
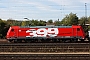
{"x":45,"y":32}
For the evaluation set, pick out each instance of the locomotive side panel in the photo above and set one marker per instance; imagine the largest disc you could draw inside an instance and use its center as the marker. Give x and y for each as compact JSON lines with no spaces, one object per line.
{"x":22,"y":33}
{"x":12,"y":33}
{"x":33,"y":34}
{"x":38,"y":32}
{"x":78,"y":32}
{"x":65,"y":32}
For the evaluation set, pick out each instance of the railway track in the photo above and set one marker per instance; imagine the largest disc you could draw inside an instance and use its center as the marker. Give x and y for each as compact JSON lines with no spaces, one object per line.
{"x":44,"y":57}
{"x":6,"y":41}
{"x":51,"y":51}
{"x":45,"y":47}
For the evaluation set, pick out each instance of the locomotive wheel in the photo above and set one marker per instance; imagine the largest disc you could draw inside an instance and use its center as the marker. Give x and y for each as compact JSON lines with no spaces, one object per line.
{"x":39,"y":40}
{"x":67,"y":40}
{"x":62,"y":41}
{"x":73,"y":40}
{"x":56,"y":40}
{"x":19,"y":41}
{"x":51,"y":40}
{"x":82,"y":40}
{"x":10,"y":40}
{"x":15,"y":41}
{"x":28,"y":41}
{"x":25,"y":41}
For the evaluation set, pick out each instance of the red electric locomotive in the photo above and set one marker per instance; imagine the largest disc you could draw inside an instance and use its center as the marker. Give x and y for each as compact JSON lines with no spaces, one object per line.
{"x":45,"y":34}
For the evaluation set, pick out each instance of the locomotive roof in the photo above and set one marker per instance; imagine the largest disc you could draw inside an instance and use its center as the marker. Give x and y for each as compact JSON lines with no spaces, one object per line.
{"x":45,"y":26}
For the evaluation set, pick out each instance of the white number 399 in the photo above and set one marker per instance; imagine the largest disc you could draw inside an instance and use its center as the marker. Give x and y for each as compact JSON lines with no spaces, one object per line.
{"x":42,"y":32}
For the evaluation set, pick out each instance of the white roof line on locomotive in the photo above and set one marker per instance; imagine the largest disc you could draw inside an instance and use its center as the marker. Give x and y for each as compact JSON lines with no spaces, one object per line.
{"x":45,"y":26}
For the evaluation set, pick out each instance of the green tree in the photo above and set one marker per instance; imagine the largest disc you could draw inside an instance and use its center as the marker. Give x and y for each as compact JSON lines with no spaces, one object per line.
{"x":88,"y":19}
{"x":88,"y":22}
{"x":11,"y":22}
{"x":82,"y":21}
{"x":36,"y":22}
{"x":23,"y":23}
{"x":3,"y":28}
{"x":70,"y":19}
{"x":50,"y":21}
{"x":58,"y":23}
{"x":42,"y":23}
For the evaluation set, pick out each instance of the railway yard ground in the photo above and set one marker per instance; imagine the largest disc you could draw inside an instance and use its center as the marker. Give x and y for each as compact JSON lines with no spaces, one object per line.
{"x":44,"y":51}
{"x":3,"y":40}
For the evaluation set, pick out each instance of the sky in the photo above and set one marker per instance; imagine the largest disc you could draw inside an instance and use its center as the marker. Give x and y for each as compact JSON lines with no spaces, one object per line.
{"x":42,"y":9}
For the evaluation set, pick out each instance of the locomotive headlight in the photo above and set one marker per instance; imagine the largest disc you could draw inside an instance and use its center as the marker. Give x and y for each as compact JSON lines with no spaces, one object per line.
{"x":82,"y":38}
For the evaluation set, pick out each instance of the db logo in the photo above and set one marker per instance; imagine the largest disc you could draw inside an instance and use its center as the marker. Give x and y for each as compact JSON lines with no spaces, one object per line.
{"x":42,"y":32}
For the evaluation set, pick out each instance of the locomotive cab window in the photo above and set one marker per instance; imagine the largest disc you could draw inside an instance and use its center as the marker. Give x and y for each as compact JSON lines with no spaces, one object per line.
{"x":78,"y":29}
{"x":12,"y":30}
